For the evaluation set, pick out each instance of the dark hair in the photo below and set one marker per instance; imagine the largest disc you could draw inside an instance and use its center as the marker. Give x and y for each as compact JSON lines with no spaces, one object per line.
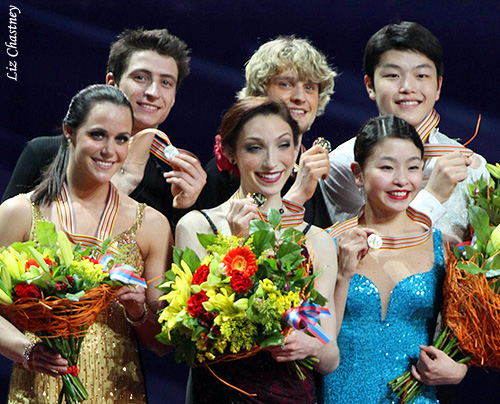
{"x":247,"y":108}
{"x":157,"y":40}
{"x":78,"y":111}
{"x":404,"y":36}
{"x":380,"y":128}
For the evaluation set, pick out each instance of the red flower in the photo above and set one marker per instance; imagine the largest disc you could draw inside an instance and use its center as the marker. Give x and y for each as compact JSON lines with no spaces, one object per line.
{"x":240,"y":259}
{"x":240,"y":282}
{"x":92,"y":260}
{"x":60,"y":286}
{"x":194,"y":306}
{"x":32,"y":262}
{"x":27,"y":290}
{"x":223,"y":164}
{"x":200,"y":275}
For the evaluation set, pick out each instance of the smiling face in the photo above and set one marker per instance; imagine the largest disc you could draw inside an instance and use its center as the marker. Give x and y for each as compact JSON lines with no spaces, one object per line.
{"x":150,"y":82}
{"x":391,"y":175}
{"x":264,"y":154}
{"x":405,"y":84}
{"x":99,"y":145}
{"x":299,"y":95}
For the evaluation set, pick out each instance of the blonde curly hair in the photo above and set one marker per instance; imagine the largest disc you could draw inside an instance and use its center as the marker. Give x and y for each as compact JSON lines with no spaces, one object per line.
{"x":288,"y":53}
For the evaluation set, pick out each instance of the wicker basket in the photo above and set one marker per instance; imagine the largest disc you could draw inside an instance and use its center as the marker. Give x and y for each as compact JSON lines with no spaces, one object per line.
{"x":472,"y":311}
{"x":59,"y":317}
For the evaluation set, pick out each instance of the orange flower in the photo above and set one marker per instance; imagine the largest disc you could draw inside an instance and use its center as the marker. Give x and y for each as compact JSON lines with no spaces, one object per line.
{"x":240,"y":259}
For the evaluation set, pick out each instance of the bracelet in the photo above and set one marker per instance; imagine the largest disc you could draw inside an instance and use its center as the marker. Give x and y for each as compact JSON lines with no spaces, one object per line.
{"x":140,"y":321}
{"x":28,"y":350}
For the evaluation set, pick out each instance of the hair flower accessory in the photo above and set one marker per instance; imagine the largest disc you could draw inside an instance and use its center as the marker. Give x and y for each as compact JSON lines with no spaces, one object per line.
{"x":223,"y":164}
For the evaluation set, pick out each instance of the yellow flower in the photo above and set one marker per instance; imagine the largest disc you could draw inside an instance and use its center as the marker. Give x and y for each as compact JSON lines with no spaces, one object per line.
{"x":13,"y":262}
{"x":4,"y":298}
{"x":224,"y":303}
{"x":177,"y":298}
{"x":268,"y":285}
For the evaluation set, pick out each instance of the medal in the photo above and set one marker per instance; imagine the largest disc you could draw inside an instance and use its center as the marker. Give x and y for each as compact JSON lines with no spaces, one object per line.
{"x":374,"y":241}
{"x":258,"y":198}
{"x":325,"y":144}
{"x":170,"y":151}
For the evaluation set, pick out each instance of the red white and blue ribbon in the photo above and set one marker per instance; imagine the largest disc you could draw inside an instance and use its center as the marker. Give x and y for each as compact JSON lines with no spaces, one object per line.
{"x":121,"y":272}
{"x":306,"y":318}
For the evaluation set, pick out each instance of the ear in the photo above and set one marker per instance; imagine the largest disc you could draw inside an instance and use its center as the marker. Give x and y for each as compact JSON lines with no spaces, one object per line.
{"x":67,"y":132}
{"x":440,"y":84}
{"x":358,"y":174}
{"x":370,"y":89}
{"x":110,"y":80}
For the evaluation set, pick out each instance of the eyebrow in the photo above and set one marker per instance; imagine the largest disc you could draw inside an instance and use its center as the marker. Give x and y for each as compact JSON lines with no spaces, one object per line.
{"x":140,"y":70}
{"x":395,"y":66}
{"x":394,"y":159}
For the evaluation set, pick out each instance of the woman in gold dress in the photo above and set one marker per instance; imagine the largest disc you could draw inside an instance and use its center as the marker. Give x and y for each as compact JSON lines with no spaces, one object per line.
{"x":96,"y":130}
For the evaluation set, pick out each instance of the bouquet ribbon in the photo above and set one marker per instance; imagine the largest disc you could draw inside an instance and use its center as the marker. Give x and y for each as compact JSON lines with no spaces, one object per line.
{"x":306,"y":318}
{"x":122,"y":272}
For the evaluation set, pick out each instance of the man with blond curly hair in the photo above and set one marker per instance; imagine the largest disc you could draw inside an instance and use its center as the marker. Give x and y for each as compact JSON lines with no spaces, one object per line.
{"x":294,"y":71}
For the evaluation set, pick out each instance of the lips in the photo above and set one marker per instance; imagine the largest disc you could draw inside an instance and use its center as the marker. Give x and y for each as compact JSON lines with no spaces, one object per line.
{"x":398,"y":195}
{"x":104,"y":164}
{"x":270,"y":178}
{"x":148,"y":107}
{"x":408,"y":103}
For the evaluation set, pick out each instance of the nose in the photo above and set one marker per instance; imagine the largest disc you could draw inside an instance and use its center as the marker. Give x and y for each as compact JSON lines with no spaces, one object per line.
{"x":109,"y":148}
{"x":270,"y":160}
{"x":298,"y":94}
{"x":407,"y":84}
{"x":152,"y":90}
{"x":400,"y":177}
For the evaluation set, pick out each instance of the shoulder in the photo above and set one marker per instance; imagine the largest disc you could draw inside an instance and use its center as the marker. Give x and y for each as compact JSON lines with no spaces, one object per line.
{"x":321,"y":241}
{"x":16,"y":210}
{"x":194,"y":220}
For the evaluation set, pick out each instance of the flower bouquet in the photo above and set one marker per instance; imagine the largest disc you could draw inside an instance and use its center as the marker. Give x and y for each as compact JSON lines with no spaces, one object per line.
{"x":471,"y":310}
{"x":234,"y":302}
{"x":56,"y":291}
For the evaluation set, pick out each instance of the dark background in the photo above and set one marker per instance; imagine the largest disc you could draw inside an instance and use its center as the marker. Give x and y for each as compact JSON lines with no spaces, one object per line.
{"x":63,"y":46}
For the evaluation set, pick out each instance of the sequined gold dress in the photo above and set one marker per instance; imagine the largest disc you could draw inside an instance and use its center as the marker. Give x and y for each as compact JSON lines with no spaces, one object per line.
{"x":109,"y":362}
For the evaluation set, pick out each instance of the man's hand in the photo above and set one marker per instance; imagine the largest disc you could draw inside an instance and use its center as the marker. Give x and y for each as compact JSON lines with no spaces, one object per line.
{"x":187,"y":179}
{"x":448,"y":171}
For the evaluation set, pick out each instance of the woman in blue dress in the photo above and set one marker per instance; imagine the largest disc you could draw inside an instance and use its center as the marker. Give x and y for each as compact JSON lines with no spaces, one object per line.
{"x":391,"y":268}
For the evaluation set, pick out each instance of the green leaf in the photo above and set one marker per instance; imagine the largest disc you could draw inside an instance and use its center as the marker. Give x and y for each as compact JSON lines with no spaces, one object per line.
{"x":292,"y":235}
{"x":39,"y":259}
{"x":104,"y":247}
{"x":177,"y":256}
{"x":75,"y":297}
{"x":66,"y":249}
{"x":191,"y":259}
{"x":46,"y":234}
{"x":263,"y":240}
{"x":480,"y":221}
{"x":23,"y":247}
{"x":492,"y":263}
{"x":206,"y":239}
{"x":275,"y":338}
{"x":274,"y":219}
{"x":471,"y":268}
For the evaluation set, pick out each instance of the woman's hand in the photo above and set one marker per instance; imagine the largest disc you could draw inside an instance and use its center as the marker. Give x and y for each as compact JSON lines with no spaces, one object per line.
{"x":297,"y":346}
{"x":241,"y":211}
{"x":44,"y":360}
{"x":352,"y":248}
{"x":313,"y":165}
{"x":435,"y":367}
{"x":133,"y":300}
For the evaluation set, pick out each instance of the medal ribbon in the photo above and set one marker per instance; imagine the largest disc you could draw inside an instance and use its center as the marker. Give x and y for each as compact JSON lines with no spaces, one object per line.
{"x":159,"y":144}
{"x":437,"y":150}
{"x":295,"y":218}
{"x":392,"y":243}
{"x":123,"y":273}
{"x":306,"y":318}
{"x":106,"y":223}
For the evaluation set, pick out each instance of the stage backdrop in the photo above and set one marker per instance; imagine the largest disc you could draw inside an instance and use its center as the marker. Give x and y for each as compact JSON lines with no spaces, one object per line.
{"x":56,"y":48}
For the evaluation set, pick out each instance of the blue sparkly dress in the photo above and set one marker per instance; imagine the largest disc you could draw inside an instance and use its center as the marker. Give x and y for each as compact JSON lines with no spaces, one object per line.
{"x":373,"y":350}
